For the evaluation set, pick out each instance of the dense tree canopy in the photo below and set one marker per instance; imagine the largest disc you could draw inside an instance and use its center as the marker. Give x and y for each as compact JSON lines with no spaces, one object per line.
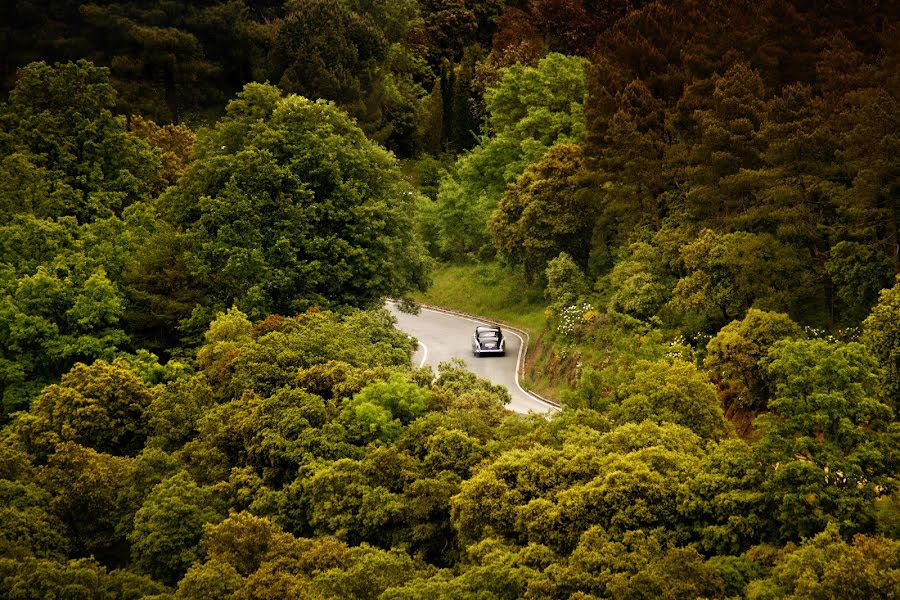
{"x":202,"y":211}
{"x":287,"y":205}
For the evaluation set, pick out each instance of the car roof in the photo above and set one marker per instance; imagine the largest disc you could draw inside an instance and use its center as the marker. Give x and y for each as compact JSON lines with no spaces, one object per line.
{"x":484,"y":328}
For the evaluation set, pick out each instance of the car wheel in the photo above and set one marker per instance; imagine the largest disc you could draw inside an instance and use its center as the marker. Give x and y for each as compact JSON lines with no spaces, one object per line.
{"x":476,"y":353}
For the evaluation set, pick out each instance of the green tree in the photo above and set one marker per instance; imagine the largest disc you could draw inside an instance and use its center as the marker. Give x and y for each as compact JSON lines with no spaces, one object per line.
{"x":150,"y":51}
{"x":64,"y":152}
{"x":566,"y":283}
{"x":881,"y":334}
{"x":730,"y":273}
{"x":530,"y":110}
{"x":33,"y":579}
{"x":90,"y":496}
{"x":734,"y":354}
{"x":625,"y":479}
{"x":327,"y":50}
{"x":674,"y":393}
{"x":825,"y":438}
{"x":52,"y":319}
{"x":726,"y":504}
{"x":297,"y":209}
{"x":633,"y":565}
{"x":379,"y":410}
{"x":859,"y":273}
{"x":724,"y":142}
{"x":100,"y":406}
{"x":827,"y":566}
{"x":545,"y":212}
{"x":168,"y":527}
{"x":639,"y":282}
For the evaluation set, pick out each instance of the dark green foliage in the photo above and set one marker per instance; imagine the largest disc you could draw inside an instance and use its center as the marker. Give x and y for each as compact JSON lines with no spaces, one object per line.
{"x":168,"y":526}
{"x":828,"y":435}
{"x":734,"y":355}
{"x":100,"y":406}
{"x":326,"y":50}
{"x":63,"y":151}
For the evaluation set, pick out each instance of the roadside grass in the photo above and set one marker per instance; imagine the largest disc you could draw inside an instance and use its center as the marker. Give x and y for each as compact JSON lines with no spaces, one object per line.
{"x":489,"y":290}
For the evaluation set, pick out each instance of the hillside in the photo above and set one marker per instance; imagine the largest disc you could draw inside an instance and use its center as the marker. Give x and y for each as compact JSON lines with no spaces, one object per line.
{"x":692,"y":207}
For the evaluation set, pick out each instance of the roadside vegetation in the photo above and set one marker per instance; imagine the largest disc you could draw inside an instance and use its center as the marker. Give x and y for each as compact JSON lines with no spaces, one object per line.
{"x":487,"y":289}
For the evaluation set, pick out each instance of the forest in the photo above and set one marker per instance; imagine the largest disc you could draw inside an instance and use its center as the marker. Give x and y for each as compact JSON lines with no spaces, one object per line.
{"x":204,"y":205}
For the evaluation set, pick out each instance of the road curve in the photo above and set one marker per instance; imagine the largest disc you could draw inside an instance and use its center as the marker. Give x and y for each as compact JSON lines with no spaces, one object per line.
{"x":444,"y":336}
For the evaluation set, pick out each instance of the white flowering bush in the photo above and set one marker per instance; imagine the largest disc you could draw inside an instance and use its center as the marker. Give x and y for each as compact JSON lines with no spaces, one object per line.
{"x":571,"y":317}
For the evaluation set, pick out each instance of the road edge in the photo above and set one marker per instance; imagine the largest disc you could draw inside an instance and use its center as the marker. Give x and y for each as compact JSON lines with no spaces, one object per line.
{"x":523,"y":336}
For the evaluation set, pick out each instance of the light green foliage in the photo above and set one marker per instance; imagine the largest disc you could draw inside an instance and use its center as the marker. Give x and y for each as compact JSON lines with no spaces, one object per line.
{"x":882,"y":338}
{"x":825,"y":437}
{"x":566,"y":283}
{"x":275,"y":436}
{"x":53,"y":318}
{"x":27,"y":525}
{"x":673,"y":393}
{"x":638,"y":282}
{"x":496,"y":570}
{"x":453,"y":450}
{"x":168,"y":527}
{"x":622,"y":480}
{"x":379,"y":410}
{"x":296,"y":209}
{"x":210,"y":580}
{"x":60,"y":297}
{"x":283,"y":346}
{"x":734,"y":354}
{"x":369,"y":572}
{"x":64,"y":152}
{"x":634,"y":565}
{"x":458,"y":388}
{"x":361,"y":500}
{"x":530,"y":110}
{"x":546,"y":211}
{"x":826,"y":566}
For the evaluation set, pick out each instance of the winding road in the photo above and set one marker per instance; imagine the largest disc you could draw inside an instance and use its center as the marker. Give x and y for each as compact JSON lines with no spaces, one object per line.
{"x":444,"y":336}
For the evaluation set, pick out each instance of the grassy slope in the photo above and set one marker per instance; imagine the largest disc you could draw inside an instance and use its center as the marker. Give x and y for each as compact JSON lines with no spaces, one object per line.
{"x":488,"y":290}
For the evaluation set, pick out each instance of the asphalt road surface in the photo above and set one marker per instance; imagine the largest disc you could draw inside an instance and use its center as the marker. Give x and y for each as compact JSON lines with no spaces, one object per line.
{"x":443,"y":336}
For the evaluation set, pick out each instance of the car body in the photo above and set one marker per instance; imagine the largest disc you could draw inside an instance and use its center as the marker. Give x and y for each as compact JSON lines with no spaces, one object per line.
{"x":488,"y":340}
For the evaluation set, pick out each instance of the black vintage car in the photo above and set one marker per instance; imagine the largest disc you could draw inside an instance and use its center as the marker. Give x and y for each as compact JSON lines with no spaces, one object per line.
{"x":488,"y":340}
